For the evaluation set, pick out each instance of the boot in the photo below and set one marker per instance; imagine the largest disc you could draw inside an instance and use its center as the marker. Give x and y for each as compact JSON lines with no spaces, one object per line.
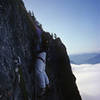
{"x":42,"y":92}
{"x":48,"y":88}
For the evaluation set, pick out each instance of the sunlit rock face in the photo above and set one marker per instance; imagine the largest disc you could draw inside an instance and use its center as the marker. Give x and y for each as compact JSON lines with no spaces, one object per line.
{"x":18,"y":41}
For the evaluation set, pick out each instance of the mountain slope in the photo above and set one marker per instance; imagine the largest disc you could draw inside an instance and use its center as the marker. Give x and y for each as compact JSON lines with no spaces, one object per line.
{"x":94,"y":60}
{"x":84,"y":58}
{"x":18,"y":41}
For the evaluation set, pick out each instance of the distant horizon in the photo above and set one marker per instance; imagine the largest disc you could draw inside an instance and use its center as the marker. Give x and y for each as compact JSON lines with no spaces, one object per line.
{"x":76,"y":22}
{"x":85,"y":53}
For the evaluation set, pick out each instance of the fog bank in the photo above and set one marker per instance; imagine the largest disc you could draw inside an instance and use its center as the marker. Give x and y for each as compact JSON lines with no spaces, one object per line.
{"x":88,"y":80}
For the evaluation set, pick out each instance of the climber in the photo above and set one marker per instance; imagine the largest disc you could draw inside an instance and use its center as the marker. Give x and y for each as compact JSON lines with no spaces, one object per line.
{"x":41,"y":75}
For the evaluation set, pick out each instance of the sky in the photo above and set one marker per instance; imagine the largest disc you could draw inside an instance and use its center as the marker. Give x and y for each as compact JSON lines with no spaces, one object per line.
{"x":76,"y":22}
{"x":88,"y":81}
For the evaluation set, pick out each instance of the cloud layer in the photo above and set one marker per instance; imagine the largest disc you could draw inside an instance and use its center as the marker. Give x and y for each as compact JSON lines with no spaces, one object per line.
{"x":88,"y":80}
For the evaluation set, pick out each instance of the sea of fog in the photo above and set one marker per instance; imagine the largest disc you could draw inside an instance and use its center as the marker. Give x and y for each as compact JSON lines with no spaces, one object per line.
{"x":88,"y":80}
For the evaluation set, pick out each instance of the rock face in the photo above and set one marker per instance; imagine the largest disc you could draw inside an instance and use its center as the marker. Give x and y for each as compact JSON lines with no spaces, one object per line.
{"x":18,"y":40}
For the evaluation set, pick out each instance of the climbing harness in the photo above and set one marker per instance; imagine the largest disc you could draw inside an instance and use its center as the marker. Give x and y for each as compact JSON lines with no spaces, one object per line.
{"x":41,"y":59}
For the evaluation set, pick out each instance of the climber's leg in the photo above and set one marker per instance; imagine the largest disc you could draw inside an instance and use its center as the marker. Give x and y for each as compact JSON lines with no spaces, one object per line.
{"x":40,"y":79}
{"x":48,"y":88}
{"x":46,"y":78}
{"x":41,"y":83}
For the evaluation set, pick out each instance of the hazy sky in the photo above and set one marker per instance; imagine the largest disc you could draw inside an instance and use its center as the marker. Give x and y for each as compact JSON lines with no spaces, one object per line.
{"x":77,"y":22}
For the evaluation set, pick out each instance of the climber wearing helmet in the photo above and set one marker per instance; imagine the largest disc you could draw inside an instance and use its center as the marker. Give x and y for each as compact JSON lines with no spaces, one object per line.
{"x":40,"y":65}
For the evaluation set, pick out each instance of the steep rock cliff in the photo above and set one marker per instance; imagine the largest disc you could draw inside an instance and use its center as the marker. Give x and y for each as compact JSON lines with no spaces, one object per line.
{"x":18,"y":40}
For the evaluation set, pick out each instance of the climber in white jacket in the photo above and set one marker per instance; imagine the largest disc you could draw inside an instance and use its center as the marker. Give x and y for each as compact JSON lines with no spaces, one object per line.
{"x":40,"y":70}
{"x":41,"y":76}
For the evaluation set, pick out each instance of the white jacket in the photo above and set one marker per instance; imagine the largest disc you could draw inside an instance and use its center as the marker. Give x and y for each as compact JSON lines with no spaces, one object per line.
{"x":41,"y":62}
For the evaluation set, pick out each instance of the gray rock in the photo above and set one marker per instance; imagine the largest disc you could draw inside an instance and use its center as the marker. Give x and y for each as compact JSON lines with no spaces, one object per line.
{"x":18,"y":39}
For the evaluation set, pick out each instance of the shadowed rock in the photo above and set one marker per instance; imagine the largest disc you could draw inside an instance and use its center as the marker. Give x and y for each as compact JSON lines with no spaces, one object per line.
{"x":18,"y":39}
